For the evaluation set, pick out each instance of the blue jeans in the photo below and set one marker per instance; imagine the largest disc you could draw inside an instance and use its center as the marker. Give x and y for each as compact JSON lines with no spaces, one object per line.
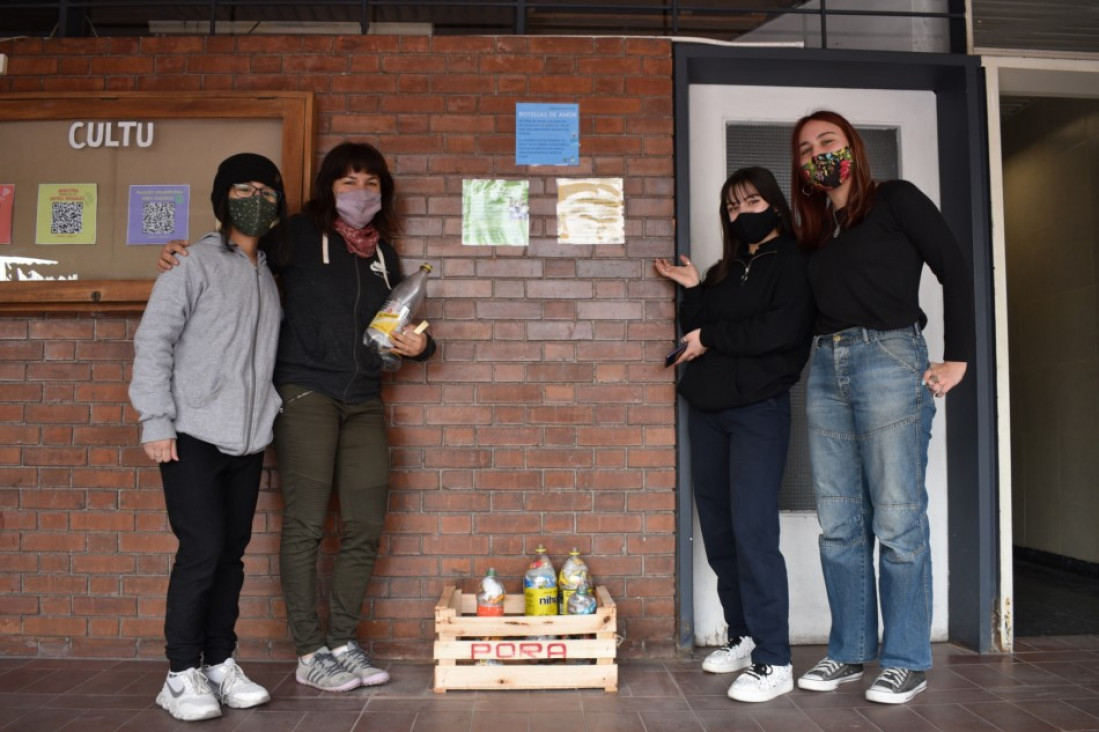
{"x":737,"y":459}
{"x":869,"y":420}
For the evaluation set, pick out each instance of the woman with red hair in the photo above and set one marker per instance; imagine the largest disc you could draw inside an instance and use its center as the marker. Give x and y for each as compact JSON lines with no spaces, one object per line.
{"x":869,"y":404}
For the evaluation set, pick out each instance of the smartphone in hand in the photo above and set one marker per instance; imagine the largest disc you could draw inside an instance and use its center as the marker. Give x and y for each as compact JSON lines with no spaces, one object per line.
{"x":671,"y":357}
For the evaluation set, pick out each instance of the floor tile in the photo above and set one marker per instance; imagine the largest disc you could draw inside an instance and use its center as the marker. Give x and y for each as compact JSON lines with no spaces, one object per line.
{"x":1061,"y":715}
{"x":1009,"y":717}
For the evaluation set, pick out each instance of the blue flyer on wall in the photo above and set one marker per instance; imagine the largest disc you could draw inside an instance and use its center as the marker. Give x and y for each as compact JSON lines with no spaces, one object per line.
{"x":547,"y":134}
{"x":158,"y":214}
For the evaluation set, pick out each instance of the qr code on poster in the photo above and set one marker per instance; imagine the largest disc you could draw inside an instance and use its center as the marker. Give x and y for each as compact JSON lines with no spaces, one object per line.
{"x":158,"y":217}
{"x":66,"y":217}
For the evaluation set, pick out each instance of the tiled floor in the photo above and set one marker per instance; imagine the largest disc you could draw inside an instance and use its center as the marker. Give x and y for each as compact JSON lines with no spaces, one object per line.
{"x":1047,"y":684}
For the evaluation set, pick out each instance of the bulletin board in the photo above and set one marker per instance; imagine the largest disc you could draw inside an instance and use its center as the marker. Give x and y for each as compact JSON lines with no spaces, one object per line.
{"x":83,"y":177}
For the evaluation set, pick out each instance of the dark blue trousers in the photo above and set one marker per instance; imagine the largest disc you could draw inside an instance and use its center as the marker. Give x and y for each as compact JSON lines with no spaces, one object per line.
{"x":737,"y":459}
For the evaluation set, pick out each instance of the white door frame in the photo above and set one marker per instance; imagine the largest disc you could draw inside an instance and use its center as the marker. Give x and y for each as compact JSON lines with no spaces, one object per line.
{"x":1016,"y":75}
{"x":913,"y":113}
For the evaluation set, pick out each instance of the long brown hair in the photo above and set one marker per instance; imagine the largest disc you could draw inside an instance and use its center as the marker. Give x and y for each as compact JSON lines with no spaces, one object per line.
{"x":764,"y":183}
{"x":812,"y":210}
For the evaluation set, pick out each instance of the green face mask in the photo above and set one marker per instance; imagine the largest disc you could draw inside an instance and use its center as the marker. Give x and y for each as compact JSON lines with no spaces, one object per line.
{"x":252,"y":216}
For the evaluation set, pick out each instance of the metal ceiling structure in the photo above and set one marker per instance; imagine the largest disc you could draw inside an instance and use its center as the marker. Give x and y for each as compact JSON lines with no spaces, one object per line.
{"x":1060,"y":27}
{"x":724,"y":20}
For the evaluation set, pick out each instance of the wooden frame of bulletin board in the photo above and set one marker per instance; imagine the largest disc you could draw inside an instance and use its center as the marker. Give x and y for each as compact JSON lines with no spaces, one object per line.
{"x":102,"y":144}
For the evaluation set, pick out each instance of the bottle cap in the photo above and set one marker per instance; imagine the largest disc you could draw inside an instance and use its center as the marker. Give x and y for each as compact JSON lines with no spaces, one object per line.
{"x":425,"y":267}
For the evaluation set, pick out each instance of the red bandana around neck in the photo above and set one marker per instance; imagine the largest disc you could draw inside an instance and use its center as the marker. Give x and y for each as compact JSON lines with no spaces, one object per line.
{"x":360,"y":242}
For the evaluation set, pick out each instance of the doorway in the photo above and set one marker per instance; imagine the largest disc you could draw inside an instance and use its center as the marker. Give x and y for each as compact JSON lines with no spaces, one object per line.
{"x":1044,"y":123}
{"x":735,"y":126}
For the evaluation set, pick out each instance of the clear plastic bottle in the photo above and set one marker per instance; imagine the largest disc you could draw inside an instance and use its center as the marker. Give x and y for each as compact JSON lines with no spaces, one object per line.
{"x":581,"y":602}
{"x":573,"y":572}
{"x":540,"y":585}
{"x":404,"y":301}
{"x":490,"y":597}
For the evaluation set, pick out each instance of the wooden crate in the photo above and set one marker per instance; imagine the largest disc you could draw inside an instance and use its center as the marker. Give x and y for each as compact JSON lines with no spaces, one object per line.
{"x":462,"y":639}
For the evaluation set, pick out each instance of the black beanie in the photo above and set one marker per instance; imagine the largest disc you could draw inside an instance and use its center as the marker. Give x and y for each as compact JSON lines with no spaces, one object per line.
{"x":244,"y":168}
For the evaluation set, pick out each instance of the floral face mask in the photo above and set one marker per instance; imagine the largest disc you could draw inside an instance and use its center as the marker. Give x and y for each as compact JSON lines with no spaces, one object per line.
{"x":829,"y":170}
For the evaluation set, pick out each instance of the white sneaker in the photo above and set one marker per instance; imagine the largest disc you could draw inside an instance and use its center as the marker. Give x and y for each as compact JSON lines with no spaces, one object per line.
{"x":733,"y":656}
{"x":187,"y":696}
{"x":233,"y":688}
{"x":763,"y":683}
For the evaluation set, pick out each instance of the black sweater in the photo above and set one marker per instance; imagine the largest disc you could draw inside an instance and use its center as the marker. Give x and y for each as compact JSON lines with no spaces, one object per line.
{"x":327,"y":308}
{"x":869,"y":276}
{"x":756,"y":323}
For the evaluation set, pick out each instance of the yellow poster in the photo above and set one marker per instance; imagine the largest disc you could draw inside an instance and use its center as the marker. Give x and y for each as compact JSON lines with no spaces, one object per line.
{"x":66,"y":213}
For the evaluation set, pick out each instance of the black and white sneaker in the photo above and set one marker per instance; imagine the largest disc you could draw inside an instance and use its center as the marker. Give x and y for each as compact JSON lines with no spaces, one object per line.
{"x":896,"y":686}
{"x":829,"y":674}
{"x":733,"y":656}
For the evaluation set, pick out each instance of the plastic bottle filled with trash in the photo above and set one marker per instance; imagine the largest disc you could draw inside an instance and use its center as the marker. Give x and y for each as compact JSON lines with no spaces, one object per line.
{"x":490,"y":603}
{"x":573,"y":572}
{"x":581,"y":601}
{"x":397,"y":312}
{"x":490,"y":596}
{"x":540,"y":586}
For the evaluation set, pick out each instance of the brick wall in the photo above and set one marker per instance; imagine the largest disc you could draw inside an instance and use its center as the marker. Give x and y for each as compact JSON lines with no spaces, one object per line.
{"x":545,"y":417}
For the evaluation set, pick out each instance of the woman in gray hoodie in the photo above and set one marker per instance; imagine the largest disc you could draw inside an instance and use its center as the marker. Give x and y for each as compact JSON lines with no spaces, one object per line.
{"x":202,"y":387}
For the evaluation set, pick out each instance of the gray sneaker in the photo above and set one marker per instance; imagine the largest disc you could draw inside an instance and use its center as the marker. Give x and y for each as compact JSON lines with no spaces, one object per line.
{"x":828,"y":675}
{"x":896,"y":685}
{"x":324,"y":672}
{"x":354,"y":659}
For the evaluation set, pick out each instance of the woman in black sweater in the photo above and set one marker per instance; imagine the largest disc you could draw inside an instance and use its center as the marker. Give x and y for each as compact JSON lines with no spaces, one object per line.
{"x":747,"y":329}
{"x":869,"y":404}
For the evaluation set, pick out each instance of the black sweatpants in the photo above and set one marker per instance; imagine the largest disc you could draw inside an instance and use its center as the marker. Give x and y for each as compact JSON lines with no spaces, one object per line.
{"x":211,"y":499}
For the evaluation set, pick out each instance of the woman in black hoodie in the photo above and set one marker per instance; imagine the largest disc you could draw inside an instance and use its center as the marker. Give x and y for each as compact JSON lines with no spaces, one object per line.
{"x":747,"y":328}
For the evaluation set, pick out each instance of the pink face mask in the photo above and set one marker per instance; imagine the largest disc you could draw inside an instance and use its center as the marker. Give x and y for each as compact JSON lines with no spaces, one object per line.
{"x":358,"y":207}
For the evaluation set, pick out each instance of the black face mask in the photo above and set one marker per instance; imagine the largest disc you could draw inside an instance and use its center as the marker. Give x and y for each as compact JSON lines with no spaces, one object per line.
{"x":753,"y":227}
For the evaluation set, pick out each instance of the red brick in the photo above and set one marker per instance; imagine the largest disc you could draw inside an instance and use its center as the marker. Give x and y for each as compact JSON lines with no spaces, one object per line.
{"x":116,"y":606}
{"x":12,"y":435}
{"x":52,"y":542}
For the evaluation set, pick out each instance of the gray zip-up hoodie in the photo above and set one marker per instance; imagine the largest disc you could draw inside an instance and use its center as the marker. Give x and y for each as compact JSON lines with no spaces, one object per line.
{"x":205,"y":351}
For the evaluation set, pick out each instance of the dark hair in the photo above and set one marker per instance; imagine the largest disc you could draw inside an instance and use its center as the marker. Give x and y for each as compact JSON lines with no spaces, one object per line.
{"x":813,"y":217}
{"x":351,"y":157}
{"x":764,"y":183}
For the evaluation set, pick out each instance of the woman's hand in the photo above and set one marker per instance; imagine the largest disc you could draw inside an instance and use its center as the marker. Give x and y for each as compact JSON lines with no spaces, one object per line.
{"x":407,"y":343}
{"x":942,"y":377}
{"x":168,"y":254}
{"x":161,"y":451}
{"x":685,"y":274}
{"x":694,"y":348}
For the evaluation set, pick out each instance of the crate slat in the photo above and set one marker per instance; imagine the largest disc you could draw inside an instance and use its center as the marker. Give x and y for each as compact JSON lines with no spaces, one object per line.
{"x":513,"y":676}
{"x":524,"y":650}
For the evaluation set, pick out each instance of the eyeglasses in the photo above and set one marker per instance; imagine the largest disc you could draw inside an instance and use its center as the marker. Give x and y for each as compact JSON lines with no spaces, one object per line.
{"x":247,"y":190}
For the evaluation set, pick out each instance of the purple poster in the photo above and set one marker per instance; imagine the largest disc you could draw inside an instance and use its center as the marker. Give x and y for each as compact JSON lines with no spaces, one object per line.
{"x":158,"y":214}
